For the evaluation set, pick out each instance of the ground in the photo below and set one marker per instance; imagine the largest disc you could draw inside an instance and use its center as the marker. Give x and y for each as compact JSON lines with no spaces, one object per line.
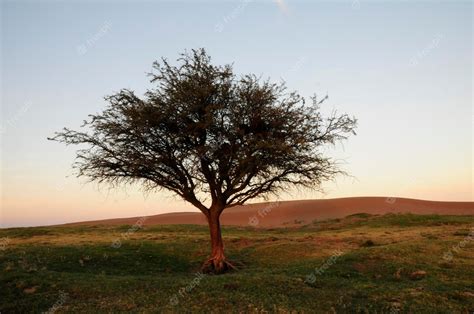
{"x":360,"y":264}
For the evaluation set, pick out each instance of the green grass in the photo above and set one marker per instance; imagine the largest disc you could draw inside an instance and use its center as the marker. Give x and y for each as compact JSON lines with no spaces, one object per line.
{"x":77,"y":269}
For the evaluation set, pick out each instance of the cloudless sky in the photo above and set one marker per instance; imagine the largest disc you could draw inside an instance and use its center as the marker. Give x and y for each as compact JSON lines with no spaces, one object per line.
{"x":404,"y":69}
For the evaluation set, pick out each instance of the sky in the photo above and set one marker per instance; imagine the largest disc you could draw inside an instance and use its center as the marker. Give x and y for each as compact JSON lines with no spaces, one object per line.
{"x":403,"y":68}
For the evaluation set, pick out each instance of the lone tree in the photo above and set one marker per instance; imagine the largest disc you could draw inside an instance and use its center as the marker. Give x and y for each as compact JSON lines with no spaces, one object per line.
{"x":214,"y":139}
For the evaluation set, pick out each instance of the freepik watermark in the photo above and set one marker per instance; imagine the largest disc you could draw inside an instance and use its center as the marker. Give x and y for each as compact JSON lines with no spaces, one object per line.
{"x":4,"y":242}
{"x":448,"y":255}
{"x":13,"y":120}
{"x":311,"y":278}
{"x":126,"y":235}
{"x":390,"y":200}
{"x":184,"y":291}
{"x":63,"y":296}
{"x":92,"y":41}
{"x":238,"y":10}
{"x":262,"y":212}
{"x":355,"y":4}
{"x":415,"y":60}
{"x":411,"y":182}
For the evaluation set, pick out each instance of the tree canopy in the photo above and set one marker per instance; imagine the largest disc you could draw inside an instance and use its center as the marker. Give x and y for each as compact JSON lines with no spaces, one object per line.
{"x":214,"y":138}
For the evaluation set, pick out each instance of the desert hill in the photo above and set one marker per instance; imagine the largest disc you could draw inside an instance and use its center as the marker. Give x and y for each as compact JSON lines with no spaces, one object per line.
{"x":288,"y":213}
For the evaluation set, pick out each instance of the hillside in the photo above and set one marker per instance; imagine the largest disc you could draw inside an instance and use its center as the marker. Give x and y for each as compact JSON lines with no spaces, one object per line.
{"x":288,"y":213}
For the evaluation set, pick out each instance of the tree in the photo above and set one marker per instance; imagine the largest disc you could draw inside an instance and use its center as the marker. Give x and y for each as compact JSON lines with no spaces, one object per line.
{"x":214,"y":139}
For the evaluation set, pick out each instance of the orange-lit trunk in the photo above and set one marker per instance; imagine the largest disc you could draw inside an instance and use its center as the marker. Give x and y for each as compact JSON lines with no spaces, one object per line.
{"x":217,"y":252}
{"x":217,"y":263}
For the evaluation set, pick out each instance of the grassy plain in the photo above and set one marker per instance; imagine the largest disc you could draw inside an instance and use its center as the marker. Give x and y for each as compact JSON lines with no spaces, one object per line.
{"x":359,"y":264}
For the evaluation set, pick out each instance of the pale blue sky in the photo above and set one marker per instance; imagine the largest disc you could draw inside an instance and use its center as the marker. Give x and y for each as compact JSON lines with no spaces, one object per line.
{"x":404,"y":69}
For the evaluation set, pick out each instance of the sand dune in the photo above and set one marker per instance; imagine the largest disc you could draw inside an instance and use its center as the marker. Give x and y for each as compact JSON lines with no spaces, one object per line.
{"x":288,"y":213}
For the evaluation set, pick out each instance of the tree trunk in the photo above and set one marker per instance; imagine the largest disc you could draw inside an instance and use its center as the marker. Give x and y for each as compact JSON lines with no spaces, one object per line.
{"x":217,"y":263}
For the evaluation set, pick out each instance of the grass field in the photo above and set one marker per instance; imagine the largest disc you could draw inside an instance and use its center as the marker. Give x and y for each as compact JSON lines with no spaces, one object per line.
{"x":359,"y":264}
